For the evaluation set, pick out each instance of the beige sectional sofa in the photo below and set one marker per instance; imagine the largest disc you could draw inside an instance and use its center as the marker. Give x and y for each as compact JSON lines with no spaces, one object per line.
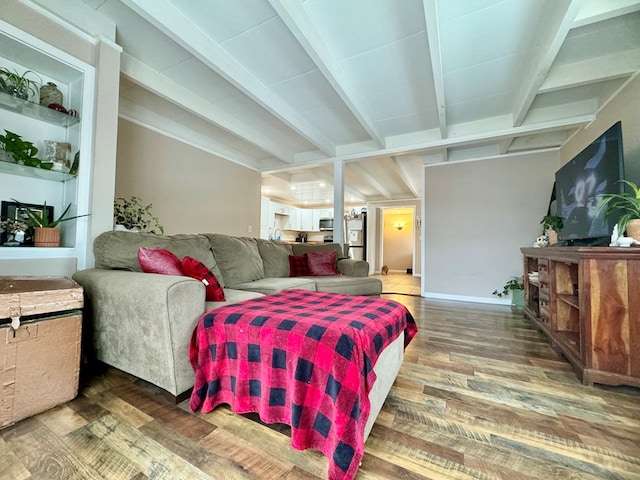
{"x":141,"y":323}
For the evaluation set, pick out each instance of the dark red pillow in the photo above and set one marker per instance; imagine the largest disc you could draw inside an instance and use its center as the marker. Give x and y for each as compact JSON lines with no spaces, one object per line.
{"x":322,"y":263}
{"x":298,"y":266}
{"x":159,"y":260}
{"x":196,"y":269}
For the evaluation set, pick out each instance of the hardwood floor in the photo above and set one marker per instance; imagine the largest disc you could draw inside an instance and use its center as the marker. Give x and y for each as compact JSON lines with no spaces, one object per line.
{"x":480,"y":395}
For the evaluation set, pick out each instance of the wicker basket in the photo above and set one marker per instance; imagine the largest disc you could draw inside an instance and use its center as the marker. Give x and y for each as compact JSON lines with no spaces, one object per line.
{"x":46,"y":237}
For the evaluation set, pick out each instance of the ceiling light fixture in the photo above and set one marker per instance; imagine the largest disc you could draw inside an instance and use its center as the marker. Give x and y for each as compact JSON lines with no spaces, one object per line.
{"x":398,"y":225}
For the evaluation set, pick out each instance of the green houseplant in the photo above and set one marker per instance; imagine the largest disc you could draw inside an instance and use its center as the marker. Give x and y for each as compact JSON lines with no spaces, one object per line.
{"x":626,"y":206}
{"x":21,"y":151}
{"x":551,"y":225}
{"x":46,"y":231}
{"x":515,"y":287}
{"x":133,"y":215}
{"x":18,"y":85}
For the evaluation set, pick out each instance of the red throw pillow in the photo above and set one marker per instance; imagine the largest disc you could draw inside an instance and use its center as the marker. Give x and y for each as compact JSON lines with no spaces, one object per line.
{"x":196,"y":269}
{"x":322,"y":263}
{"x":159,"y":260}
{"x":298,"y":266}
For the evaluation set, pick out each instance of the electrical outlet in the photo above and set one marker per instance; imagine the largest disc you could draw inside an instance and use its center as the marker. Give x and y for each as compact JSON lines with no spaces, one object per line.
{"x":249,"y":228}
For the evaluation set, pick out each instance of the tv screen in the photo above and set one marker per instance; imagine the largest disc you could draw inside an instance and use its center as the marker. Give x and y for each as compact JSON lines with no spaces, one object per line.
{"x":596,"y":170}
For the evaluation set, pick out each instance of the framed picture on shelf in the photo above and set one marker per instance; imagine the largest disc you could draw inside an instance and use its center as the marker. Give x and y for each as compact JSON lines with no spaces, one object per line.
{"x":11,"y":210}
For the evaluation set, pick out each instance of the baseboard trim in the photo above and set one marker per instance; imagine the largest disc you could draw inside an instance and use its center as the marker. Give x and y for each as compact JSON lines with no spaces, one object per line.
{"x":466,"y":298}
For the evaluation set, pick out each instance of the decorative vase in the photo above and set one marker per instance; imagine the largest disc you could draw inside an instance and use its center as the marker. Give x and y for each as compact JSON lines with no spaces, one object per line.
{"x":49,"y":94}
{"x":47,"y":237}
{"x":633,"y":229}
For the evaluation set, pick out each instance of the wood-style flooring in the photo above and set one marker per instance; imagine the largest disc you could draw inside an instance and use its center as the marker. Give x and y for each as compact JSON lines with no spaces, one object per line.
{"x":480,"y":395}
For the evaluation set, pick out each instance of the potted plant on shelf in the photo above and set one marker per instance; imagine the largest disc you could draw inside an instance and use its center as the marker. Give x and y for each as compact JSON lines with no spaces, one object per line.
{"x":551,"y":225}
{"x":515,"y":286}
{"x":626,"y":206}
{"x":15,"y":230}
{"x":17,"y":150}
{"x":47,"y":233}
{"x":132,"y":215}
{"x":20,"y":86}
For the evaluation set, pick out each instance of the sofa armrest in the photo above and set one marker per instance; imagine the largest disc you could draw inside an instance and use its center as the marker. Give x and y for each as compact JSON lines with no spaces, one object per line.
{"x":142,"y":323}
{"x":353,"y":268}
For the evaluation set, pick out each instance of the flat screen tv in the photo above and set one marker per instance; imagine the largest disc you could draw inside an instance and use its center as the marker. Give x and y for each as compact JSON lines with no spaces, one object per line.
{"x":595,"y":170}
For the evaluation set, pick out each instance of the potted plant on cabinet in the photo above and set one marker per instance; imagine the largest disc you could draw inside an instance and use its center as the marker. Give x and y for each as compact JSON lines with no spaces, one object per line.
{"x":551,"y":225}
{"x":47,"y":233}
{"x":626,"y":206}
{"x":515,"y":286}
{"x":132,"y":215}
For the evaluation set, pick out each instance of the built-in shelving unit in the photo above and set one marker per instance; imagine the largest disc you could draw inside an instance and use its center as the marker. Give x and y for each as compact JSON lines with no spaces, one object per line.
{"x":587,"y":301}
{"x":22,"y":52}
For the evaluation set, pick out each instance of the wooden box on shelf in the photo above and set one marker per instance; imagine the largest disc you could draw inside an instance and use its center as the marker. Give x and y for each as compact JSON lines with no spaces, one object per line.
{"x":39,"y":360}
{"x":589,"y":307}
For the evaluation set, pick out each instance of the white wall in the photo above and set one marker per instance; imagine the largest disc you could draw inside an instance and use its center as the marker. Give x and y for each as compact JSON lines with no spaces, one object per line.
{"x":626,"y":108}
{"x":191,"y":190}
{"x":477,"y":216}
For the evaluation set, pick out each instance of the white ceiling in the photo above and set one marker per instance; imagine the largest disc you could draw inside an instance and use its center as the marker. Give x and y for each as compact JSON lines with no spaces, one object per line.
{"x":289,"y":87}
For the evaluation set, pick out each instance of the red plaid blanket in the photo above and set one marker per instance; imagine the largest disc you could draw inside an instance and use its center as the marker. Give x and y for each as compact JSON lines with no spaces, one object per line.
{"x":300,"y":358}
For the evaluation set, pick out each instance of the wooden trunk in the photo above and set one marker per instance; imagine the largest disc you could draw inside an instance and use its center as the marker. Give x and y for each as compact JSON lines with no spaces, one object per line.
{"x":40,"y":357}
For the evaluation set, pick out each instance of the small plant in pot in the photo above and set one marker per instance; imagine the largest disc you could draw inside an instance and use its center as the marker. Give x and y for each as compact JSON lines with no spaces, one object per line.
{"x":551,"y":225}
{"x":626,"y":207}
{"x":515,"y":287}
{"x":132,"y":215}
{"x":20,"y":86}
{"x":47,"y":233}
{"x":17,"y":150}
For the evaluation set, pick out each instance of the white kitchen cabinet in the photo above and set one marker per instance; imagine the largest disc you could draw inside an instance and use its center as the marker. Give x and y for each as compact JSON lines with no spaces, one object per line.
{"x":306,"y":220}
{"x":294,"y":219}
{"x":75,"y":79}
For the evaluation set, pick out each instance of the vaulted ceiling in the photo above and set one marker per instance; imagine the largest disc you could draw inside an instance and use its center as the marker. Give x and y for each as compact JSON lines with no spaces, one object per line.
{"x":288,"y":87}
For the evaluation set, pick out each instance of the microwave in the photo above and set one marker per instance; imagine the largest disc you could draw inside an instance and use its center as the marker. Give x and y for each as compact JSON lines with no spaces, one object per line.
{"x":326,"y":224}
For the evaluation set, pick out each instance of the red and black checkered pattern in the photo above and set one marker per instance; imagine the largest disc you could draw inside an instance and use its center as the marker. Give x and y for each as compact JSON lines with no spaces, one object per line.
{"x":301,"y":358}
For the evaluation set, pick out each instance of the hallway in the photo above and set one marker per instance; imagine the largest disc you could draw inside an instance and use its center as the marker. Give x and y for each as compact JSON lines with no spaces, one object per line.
{"x":401,"y":283}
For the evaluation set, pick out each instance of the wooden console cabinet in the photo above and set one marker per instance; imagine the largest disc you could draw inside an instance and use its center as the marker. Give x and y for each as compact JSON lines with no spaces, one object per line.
{"x":587,"y":301}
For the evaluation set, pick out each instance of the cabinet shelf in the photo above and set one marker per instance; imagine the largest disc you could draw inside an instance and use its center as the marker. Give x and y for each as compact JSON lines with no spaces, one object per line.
{"x":33,"y":110}
{"x":34,"y":172}
{"x":570,"y":300}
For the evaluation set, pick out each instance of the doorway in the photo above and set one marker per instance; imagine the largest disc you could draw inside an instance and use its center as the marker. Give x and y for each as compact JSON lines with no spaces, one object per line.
{"x":398,"y":239}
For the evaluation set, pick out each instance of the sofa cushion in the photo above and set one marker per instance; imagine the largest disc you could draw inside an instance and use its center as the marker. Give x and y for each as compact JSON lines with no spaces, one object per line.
{"x":272,"y":285}
{"x":274,"y":258}
{"x":298,"y":266}
{"x":159,"y":260}
{"x":349,"y":285}
{"x":196,"y":269}
{"x":119,"y":250}
{"x":237,"y":258}
{"x":232,"y":295}
{"x":302,"y":248}
{"x":322,"y":263}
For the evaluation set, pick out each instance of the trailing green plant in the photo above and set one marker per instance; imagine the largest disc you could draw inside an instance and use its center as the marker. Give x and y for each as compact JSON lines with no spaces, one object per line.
{"x":133,"y":215}
{"x":37,"y":218}
{"x":516,"y":283}
{"x":19,"y":85}
{"x":22,"y":151}
{"x":625,"y":205}
{"x":553,"y":222}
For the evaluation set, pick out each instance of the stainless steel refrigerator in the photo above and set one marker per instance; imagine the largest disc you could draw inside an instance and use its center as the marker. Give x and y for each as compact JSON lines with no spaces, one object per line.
{"x":356,"y":233}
